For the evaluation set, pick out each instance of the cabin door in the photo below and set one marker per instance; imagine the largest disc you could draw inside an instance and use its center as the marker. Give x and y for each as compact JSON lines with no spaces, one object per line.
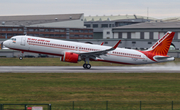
{"x":23,"y":40}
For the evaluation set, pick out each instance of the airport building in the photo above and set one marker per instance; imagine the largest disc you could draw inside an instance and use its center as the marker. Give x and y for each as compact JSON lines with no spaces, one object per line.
{"x":136,"y":32}
{"x":143,"y":35}
{"x":102,"y":25}
{"x":58,"y":26}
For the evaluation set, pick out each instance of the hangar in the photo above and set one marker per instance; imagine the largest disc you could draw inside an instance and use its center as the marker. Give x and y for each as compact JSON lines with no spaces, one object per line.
{"x":102,"y":25}
{"x":143,"y":35}
{"x":59,"y":26}
{"x":56,"y":26}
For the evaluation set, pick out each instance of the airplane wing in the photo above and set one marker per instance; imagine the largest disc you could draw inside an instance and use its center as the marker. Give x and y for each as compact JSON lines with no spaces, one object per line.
{"x":95,"y":54}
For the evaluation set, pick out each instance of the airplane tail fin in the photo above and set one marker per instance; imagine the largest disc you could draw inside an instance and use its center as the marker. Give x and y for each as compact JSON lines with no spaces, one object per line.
{"x":161,"y":47}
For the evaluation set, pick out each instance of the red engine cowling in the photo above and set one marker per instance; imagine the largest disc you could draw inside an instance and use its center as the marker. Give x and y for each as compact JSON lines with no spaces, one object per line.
{"x":70,"y":57}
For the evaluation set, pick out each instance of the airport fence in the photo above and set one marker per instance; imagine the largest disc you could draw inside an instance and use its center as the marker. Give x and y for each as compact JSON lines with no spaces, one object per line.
{"x":118,"y":105}
{"x":25,"y":106}
{"x":99,"y":105}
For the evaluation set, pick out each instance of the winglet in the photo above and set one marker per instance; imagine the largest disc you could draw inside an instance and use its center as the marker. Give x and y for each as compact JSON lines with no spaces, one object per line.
{"x":102,"y":43}
{"x":115,"y":46}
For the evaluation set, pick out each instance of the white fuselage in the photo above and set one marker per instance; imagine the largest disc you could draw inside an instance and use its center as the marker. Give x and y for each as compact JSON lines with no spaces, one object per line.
{"x":58,"y":47}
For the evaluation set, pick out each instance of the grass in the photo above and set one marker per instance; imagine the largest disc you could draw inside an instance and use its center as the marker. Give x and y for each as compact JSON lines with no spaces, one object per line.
{"x":84,"y":88}
{"x":90,"y":91}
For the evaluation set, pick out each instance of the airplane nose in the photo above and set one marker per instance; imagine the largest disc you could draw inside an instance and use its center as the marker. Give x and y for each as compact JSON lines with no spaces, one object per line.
{"x":5,"y":43}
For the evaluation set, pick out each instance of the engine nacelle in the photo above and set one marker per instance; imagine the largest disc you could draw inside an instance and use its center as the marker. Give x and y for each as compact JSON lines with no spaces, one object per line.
{"x":70,"y":57}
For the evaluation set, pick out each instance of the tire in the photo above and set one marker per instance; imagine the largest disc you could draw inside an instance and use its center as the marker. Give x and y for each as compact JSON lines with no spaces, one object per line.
{"x":88,"y":66}
{"x":84,"y":65}
{"x":20,"y":58}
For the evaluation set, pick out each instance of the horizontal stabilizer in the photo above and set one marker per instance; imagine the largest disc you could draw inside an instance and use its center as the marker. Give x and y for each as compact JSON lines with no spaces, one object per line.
{"x":162,"y":58}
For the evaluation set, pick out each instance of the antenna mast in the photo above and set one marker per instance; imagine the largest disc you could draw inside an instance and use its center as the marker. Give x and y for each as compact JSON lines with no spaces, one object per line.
{"x":147,"y":13}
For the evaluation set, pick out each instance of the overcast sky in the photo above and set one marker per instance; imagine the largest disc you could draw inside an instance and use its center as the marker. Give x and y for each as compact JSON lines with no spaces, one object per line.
{"x":157,"y":8}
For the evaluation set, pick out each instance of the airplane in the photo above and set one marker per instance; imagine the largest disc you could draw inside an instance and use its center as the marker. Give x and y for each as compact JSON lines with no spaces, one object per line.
{"x":75,"y":51}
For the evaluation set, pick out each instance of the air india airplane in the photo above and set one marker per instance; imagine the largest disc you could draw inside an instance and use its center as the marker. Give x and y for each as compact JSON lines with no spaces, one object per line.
{"x":74,"y":51}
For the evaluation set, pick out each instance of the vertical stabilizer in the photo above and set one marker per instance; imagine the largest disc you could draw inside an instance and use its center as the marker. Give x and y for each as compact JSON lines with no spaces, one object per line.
{"x":161,"y":47}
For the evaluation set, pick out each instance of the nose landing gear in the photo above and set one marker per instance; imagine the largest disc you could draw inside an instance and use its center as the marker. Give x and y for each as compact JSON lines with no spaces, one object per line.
{"x":21,"y":57}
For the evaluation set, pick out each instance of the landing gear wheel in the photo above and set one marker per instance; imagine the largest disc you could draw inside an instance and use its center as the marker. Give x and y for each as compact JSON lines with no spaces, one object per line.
{"x":20,"y":58}
{"x":88,"y":66}
{"x":85,"y":65}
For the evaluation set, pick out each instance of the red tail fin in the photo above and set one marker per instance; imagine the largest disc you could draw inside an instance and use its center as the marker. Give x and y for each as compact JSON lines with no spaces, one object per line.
{"x":161,"y":47}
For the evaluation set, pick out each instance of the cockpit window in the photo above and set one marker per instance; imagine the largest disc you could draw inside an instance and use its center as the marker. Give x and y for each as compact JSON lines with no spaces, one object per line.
{"x":14,"y":39}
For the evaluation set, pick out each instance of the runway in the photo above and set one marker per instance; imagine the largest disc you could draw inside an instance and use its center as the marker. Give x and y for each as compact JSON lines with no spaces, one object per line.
{"x":94,"y":69}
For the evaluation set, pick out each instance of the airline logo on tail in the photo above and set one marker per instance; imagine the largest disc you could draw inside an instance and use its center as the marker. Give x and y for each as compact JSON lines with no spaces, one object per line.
{"x":161,"y":47}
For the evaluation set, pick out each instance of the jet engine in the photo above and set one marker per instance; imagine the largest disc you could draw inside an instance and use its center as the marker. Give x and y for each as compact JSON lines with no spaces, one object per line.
{"x":70,"y":57}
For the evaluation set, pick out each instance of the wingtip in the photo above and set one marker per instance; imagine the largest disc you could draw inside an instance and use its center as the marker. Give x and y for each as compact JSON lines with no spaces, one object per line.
{"x":117,"y":44}
{"x":102,"y":43}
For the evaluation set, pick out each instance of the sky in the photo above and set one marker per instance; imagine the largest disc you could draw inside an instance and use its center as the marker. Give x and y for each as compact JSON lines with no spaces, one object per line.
{"x":156,"y":8}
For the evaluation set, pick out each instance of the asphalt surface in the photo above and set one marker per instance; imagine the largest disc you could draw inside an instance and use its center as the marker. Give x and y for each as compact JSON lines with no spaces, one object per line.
{"x":94,"y":69}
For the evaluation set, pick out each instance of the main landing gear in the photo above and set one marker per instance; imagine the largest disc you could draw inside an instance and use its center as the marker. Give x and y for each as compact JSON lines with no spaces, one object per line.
{"x":86,"y":66}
